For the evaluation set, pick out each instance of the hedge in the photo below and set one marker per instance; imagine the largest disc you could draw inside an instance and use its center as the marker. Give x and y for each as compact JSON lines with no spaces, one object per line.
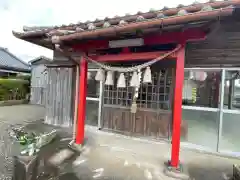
{"x":13,"y":89}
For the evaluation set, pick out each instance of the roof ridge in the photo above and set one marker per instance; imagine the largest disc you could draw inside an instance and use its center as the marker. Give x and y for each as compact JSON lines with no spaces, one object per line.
{"x":3,"y":48}
{"x":151,"y":10}
{"x":128,"y":23}
{"x":39,"y":58}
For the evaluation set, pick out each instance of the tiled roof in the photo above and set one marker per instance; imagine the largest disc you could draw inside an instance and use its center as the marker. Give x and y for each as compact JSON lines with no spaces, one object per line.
{"x":165,"y":14}
{"x":10,"y":61}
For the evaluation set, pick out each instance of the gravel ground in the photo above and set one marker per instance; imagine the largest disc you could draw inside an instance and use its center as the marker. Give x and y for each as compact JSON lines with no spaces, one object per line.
{"x":13,"y":116}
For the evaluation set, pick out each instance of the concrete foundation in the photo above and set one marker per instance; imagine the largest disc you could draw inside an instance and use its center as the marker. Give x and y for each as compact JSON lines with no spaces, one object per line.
{"x":180,"y":172}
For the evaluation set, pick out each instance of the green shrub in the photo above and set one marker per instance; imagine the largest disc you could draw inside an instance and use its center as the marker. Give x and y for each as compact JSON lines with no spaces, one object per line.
{"x":24,"y":77}
{"x":13,"y":89}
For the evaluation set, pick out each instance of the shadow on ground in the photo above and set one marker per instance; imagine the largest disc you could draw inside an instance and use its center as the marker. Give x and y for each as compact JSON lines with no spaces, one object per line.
{"x":71,"y":176}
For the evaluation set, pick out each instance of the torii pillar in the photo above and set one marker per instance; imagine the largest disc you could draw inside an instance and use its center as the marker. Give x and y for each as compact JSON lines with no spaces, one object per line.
{"x":81,"y":111}
{"x":174,"y":168}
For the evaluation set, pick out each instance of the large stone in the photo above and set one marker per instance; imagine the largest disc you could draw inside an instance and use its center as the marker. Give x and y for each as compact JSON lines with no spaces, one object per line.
{"x":236,"y":172}
{"x":25,"y":168}
{"x":76,"y":147}
{"x":177,"y":173}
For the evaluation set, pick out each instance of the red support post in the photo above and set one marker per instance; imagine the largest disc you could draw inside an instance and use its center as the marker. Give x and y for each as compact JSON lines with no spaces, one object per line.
{"x":81,"y":101}
{"x":177,"y":107}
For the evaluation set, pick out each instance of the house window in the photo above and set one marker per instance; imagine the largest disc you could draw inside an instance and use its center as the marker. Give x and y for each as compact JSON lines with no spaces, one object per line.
{"x":232,"y":90}
{"x":92,"y":85}
{"x":93,"y":88}
{"x":201,"y":88}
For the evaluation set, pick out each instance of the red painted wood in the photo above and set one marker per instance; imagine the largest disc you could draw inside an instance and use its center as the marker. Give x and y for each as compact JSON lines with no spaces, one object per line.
{"x":131,"y":56}
{"x":177,"y":107}
{"x":82,"y":101}
{"x":193,"y":34}
{"x":175,"y":37}
{"x":125,"y":50}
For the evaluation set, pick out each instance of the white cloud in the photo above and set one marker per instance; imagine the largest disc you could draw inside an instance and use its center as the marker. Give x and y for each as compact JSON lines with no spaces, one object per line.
{"x":14,"y":14}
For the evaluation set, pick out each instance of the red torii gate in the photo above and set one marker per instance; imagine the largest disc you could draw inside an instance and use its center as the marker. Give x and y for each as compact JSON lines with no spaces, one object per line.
{"x":181,"y":38}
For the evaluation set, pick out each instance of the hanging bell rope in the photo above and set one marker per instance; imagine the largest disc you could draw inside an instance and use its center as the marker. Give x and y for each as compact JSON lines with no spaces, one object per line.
{"x":100,"y":76}
{"x":117,"y":69}
{"x":134,"y":68}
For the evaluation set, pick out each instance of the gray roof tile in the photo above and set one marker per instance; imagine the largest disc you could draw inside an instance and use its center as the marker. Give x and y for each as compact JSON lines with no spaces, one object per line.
{"x":8,"y":60}
{"x":152,"y":14}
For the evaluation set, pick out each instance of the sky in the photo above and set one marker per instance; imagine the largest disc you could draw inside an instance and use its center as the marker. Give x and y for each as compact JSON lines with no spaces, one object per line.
{"x":14,"y":14}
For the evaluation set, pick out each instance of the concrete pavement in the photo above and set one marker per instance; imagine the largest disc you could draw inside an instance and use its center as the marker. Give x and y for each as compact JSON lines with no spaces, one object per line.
{"x":107,"y":155}
{"x":13,"y":115}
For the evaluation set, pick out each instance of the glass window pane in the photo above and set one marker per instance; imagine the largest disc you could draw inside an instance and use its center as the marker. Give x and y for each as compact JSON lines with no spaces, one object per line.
{"x":92,"y":85}
{"x":201,"y":88}
{"x":200,"y":128}
{"x":232,"y":90}
{"x":229,"y":141}
{"x":92,"y":113}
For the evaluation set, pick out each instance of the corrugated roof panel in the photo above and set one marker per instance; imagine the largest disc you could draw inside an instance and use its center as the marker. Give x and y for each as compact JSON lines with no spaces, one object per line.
{"x":7,"y":59}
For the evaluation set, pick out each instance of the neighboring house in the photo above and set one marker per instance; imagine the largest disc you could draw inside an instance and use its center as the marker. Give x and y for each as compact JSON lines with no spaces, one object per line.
{"x":11,"y":65}
{"x":202,"y":38}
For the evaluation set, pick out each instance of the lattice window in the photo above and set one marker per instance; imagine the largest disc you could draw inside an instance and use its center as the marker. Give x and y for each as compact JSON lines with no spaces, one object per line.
{"x":153,"y":96}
